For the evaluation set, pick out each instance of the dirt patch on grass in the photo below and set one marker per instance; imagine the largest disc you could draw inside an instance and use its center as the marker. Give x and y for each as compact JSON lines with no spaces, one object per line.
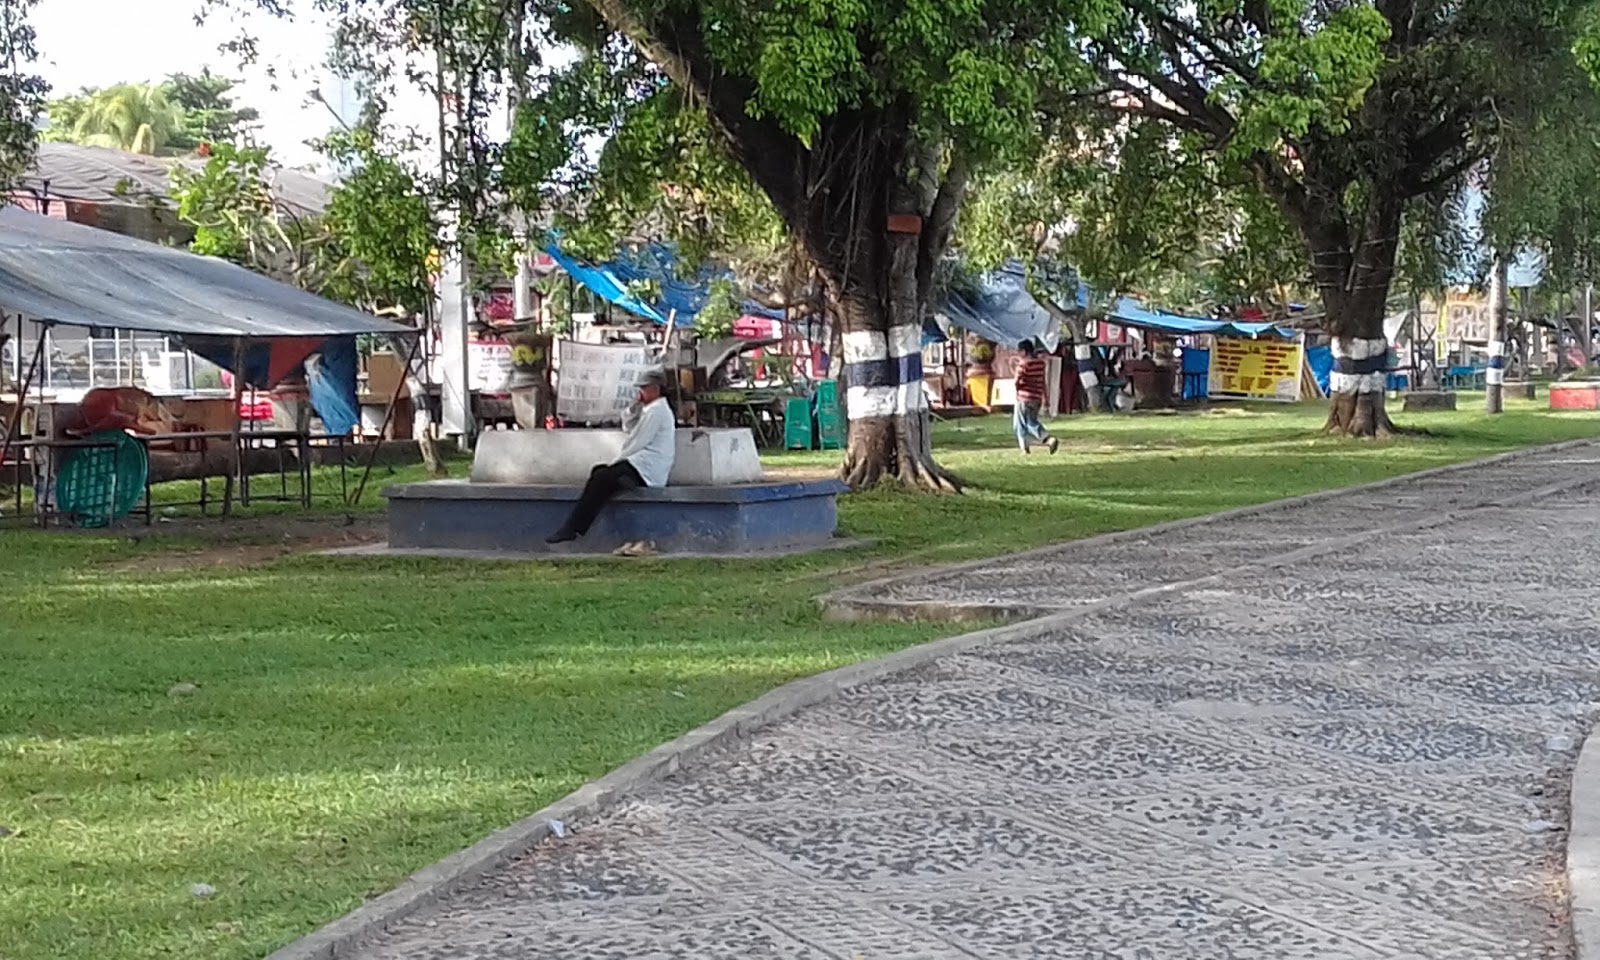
{"x":243,"y":542}
{"x":781,"y":472}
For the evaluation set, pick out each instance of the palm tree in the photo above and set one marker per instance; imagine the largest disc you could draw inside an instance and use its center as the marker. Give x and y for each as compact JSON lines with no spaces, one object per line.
{"x":136,"y":117}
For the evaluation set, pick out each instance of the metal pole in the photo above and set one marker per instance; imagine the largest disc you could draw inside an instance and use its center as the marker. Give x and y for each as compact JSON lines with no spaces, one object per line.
{"x":235,"y":485}
{"x":22,"y":395}
{"x":1495,"y":376}
{"x":388,"y":416}
{"x":1588,"y":323}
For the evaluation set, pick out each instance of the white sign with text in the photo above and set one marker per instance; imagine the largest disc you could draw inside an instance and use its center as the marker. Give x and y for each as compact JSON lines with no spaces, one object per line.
{"x":598,"y":382}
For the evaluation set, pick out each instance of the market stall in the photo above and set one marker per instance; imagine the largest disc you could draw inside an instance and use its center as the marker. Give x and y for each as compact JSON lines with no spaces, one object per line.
{"x":61,"y":274}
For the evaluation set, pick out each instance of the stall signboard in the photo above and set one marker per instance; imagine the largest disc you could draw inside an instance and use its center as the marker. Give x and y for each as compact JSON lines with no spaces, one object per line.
{"x":490,"y":365}
{"x":1265,"y":368}
{"x":598,"y":382}
{"x":1465,"y":318}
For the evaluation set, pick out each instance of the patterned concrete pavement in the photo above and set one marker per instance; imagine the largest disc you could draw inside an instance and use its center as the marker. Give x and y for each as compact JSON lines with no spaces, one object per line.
{"x":1358,"y":750}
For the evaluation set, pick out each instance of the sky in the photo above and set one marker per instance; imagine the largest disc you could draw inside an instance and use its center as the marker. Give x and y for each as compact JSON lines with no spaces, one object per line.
{"x":103,"y":42}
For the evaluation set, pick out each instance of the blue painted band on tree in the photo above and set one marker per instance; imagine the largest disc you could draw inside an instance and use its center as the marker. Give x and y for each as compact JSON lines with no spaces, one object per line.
{"x":884,"y":371}
{"x":1372,"y":364}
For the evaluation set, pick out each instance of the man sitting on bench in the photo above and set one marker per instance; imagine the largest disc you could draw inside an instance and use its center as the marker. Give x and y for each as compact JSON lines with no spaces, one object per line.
{"x":646,"y":460}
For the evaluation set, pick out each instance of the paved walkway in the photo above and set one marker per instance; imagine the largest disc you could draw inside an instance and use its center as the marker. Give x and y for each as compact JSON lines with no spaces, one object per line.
{"x":1357,"y":749}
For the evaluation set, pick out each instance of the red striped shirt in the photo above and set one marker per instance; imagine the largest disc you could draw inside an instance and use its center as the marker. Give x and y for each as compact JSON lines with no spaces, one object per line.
{"x":1030,"y":380}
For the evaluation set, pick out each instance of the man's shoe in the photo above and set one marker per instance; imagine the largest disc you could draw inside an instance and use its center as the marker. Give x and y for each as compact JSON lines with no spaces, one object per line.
{"x":561,"y":536}
{"x":642,"y":548}
{"x":1054,"y":445}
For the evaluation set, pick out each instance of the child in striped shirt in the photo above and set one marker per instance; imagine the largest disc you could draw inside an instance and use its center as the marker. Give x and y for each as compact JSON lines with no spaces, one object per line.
{"x":1031,"y":394}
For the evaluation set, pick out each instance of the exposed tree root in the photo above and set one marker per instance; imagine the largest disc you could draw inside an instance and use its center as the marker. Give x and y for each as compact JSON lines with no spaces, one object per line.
{"x":866,"y":473}
{"x":1363,"y":416}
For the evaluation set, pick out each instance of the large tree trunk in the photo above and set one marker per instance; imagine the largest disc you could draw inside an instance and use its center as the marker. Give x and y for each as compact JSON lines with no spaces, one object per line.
{"x":890,"y":430}
{"x":879,"y":297}
{"x":1357,"y":384}
{"x":1354,"y":270}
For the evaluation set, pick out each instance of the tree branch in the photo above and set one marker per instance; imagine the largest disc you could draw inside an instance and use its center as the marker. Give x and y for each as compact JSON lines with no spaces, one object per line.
{"x":941,"y":223}
{"x":1200,"y":45}
{"x":1422,"y":186}
{"x":1139,"y":103}
{"x":674,"y":44}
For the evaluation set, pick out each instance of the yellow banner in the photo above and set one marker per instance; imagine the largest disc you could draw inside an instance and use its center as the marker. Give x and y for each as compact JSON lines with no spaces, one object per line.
{"x":1262,"y":369}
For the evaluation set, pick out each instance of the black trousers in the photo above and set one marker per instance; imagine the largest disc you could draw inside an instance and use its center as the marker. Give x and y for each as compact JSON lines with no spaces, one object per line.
{"x":605,"y":481}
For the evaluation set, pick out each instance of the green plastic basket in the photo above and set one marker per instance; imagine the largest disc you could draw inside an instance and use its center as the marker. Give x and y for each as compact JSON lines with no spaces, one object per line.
{"x":96,"y":485}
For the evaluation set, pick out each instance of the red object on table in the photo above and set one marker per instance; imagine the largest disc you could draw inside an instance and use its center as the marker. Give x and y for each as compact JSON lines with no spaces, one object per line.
{"x":254,"y":410}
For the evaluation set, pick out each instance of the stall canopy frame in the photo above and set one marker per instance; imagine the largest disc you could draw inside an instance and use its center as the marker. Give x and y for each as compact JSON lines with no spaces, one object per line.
{"x":68,"y":274}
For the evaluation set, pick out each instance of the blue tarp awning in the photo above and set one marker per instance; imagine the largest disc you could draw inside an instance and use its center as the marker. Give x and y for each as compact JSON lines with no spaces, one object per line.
{"x":1001,"y":309}
{"x":682,"y":299}
{"x":1128,"y":312}
{"x":604,"y":284}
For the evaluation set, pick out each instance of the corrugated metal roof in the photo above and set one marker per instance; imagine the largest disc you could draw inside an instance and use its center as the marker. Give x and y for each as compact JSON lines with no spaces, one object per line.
{"x":69,"y":273}
{"x":68,"y":171}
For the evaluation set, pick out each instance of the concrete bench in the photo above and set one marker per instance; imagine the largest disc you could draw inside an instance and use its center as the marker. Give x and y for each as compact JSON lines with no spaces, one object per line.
{"x":704,"y":456}
{"x":516,"y":517}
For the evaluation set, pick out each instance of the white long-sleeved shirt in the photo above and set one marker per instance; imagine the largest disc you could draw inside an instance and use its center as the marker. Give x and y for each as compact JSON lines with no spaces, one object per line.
{"x":651,"y":441}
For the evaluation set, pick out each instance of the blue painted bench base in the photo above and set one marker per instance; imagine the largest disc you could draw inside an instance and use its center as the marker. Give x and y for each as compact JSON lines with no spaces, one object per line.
{"x":458,"y":515}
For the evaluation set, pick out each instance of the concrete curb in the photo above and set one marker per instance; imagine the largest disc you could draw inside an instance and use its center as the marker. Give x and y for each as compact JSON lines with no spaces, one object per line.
{"x":436,"y":882}
{"x":1583,"y":852}
{"x":515,"y":556}
{"x":857,"y":603}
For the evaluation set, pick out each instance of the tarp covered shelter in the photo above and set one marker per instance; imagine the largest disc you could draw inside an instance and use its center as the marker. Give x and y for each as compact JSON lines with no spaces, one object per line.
{"x":59,"y":272}
{"x":1000,"y":308}
{"x":1128,"y":312}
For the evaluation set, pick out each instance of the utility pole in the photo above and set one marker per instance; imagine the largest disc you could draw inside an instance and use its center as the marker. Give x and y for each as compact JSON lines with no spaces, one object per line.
{"x":454,"y":295}
{"x":1495,"y":376}
{"x":1586,"y":334}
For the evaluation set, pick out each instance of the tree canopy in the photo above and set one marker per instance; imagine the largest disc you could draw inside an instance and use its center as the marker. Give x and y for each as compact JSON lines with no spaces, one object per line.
{"x":210,"y":113}
{"x":178,"y":116}
{"x":22,"y":92}
{"x":1214,"y":153}
{"x":1348,"y":116}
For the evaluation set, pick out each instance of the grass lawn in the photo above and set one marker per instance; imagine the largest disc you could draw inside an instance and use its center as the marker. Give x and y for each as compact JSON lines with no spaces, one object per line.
{"x":357,"y":719}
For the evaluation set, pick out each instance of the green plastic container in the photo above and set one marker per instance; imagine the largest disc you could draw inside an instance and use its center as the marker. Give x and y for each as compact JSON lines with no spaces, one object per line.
{"x":797,"y":424}
{"x":830,"y":420}
{"x":97,"y":485}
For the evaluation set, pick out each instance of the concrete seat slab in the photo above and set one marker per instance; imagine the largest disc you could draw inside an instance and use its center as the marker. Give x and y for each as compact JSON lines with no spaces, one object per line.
{"x":500,"y":517}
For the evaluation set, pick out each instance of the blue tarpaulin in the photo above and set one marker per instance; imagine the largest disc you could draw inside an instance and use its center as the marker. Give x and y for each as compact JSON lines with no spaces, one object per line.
{"x":331,"y":379}
{"x":1320,"y":360}
{"x":681,"y":298}
{"x":1001,"y":309}
{"x":1128,"y":312}
{"x":605,"y":285}
{"x":330,"y":374}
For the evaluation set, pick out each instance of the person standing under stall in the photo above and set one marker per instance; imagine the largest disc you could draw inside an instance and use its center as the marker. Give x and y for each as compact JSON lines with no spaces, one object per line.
{"x":647,"y":452}
{"x":1031,"y":395}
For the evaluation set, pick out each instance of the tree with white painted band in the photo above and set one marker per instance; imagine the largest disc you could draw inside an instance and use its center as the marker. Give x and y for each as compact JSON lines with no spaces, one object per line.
{"x":1389,"y":122}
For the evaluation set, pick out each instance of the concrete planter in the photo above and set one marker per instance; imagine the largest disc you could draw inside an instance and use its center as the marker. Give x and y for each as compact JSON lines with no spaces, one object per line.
{"x":1575,"y":395}
{"x":1421,"y":400}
